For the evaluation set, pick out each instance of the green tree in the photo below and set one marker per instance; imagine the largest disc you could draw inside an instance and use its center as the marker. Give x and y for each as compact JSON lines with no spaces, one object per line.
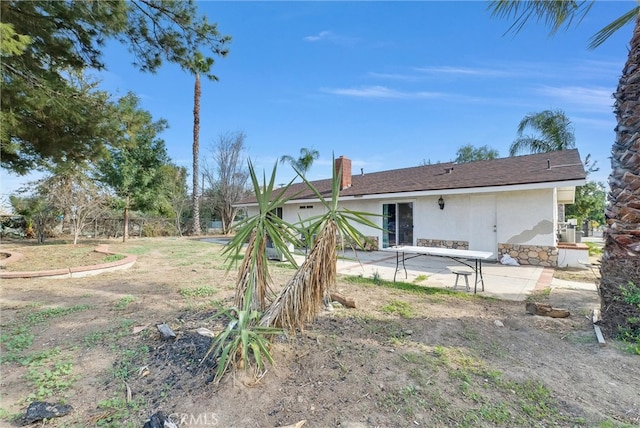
{"x":590,"y":199}
{"x":42,"y":128}
{"x":38,"y":212}
{"x":303,"y":163}
{"x":620,"y":264}
{"x":589,"y":203}
{"x":133,"y":168}
{"x":43,"y":42}
{"x":175,"y":193}
{"x":468,"y":153}
{"x":553,"y":131}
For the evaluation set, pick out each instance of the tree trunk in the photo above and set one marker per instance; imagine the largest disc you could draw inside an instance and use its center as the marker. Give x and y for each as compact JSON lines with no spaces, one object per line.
{"x":76,"y":232}
{"x":195,"y":230}
{"x":125,"y":222}
{"x":621,"y":257}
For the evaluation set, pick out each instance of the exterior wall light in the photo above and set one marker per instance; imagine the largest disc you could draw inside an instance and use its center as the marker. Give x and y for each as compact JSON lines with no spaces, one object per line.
{"x":441,"y":203}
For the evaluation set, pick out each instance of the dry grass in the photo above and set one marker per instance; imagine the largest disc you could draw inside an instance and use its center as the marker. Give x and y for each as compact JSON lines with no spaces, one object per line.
{"x":53,"y":256}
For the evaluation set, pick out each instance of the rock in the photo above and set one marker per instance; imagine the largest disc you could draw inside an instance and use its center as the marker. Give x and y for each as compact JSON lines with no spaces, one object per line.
{"x":166,"y":332}
{"x":498,"y":323}
{"x":39,"y":410}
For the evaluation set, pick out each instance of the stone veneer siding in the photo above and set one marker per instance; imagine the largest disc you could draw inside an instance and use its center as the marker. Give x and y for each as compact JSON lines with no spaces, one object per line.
{"x":440,"y":243}
{"x":534,"y":255}
{"x":370,"y":244}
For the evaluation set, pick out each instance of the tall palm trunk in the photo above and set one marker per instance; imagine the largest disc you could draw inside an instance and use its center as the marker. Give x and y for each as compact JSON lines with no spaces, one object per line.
{"x":195,"y":230}
{"x":621,"y":258}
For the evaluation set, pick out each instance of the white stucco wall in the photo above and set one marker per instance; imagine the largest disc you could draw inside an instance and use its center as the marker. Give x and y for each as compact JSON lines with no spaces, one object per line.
{"x":451,"y":223}
{"x":521,"y":217}
{"x":527,"y":217}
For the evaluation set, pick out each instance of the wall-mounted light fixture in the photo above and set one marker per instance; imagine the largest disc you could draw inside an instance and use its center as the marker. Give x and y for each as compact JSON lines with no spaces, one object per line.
{"x":441,"y":203}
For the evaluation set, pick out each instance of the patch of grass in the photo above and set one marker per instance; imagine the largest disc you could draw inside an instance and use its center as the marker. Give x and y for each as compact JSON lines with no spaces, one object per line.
{"x":39,"y":317}
{"x":521,"y":403}
{"x":495,"y":413}
{"x":595,"y":249}
{"x":50,"y":378}
{"x":114,"y":258}
{"x":539,"y":295}
{"x":109,"y":336}
{"x":124,"y":302}
{"x":117,"y":410}
{"x":495,"y":348}
{"x":534,"y":399}
{"x":406,"y":400}
{"x":420,"y":278}
{"x":630,"y":338}
{"x":49,"y":373}
{"x":14,"y":342}
{"x":282,"y":265}
{"x":140,"y":250}
{"x":631,"y":294}
{"x":398,"y":307}
{"x":126,"y":364}
{"x":630,"y":333}
{"x":5,"y":415}
{"x":580,"y":337}
{"x":468,"y":334}
{"x":202,"y":291}
{"x":404,"y":286}
{"x":18,"y":337}
{"x":376,"y":278}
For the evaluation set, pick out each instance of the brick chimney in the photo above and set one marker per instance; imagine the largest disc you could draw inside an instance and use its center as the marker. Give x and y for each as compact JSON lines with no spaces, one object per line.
{"x":345,"y":164}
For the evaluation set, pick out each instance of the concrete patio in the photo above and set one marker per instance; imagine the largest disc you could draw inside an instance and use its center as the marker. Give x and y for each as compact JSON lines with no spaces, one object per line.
{"x":501,"y":281}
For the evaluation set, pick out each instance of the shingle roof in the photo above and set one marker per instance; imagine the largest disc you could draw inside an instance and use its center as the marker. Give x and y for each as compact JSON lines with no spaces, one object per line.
{"x":529,"y":169}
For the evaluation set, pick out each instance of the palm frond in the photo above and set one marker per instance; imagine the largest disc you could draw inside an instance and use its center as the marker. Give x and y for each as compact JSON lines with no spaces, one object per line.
{"x":601,"y":36}
{"x":554,"y":13}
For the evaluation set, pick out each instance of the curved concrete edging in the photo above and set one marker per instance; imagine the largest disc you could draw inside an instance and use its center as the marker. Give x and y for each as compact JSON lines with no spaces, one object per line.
{"x":74,"y":272}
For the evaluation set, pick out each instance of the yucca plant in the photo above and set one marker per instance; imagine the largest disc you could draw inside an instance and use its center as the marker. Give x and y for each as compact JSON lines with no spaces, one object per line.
{"x":253,"y":281}
{"x":301,"y":299}
{"x":243,"y":344}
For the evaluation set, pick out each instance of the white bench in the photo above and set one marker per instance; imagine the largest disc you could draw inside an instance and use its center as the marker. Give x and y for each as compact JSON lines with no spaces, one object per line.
{"x":464,"y":274}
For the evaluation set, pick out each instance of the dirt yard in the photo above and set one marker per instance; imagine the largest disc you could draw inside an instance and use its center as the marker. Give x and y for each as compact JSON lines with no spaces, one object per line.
{"x":402,"y":358}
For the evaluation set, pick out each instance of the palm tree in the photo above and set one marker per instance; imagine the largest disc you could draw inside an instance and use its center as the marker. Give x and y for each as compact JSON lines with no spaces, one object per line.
{"x":198,"y":64}
{"x":554,"y":132}
{"x":304,"y":162}
{"x":620,"y":265}
{"x":195,"y":200}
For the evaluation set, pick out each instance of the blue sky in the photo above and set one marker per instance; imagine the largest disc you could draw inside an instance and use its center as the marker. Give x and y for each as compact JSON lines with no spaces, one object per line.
{"x":387,"y":84}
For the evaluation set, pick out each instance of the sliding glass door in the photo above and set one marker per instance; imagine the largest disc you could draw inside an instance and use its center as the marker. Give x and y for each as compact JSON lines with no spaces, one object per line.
{"x":397,"y":224}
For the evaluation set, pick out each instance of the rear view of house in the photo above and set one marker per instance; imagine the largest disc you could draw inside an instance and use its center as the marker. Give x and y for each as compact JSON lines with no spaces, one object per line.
{"x":505,"y":206}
